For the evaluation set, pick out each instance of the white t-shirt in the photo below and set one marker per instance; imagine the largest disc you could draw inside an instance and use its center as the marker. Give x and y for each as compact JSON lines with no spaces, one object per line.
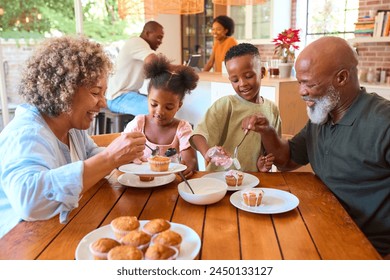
{"x":129,"y":73}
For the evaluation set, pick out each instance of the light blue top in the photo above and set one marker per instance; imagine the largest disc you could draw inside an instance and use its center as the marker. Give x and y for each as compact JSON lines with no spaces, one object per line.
{"x":38,"y":180}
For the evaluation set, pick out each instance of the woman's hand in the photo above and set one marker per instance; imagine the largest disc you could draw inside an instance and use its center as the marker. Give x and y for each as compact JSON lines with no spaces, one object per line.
{"x":126,"y":148}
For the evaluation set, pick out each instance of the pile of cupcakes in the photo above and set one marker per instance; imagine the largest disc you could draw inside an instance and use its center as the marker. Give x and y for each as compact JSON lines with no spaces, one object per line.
{"x":154,"y":241}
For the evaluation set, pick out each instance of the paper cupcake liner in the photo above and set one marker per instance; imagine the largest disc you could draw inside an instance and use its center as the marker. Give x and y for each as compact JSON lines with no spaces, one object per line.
{"x":120,"y":233}
{"x":97,"y":255}
{"x":173,"y":257}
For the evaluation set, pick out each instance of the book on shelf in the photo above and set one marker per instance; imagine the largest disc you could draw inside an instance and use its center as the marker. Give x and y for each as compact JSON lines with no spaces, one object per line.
{"x":386,"y":30}
{"x":364,"y":26}
{"x":382,"y":23}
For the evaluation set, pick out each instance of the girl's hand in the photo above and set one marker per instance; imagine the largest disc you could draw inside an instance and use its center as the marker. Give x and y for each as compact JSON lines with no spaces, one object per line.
{"x":188,"y":172}
{"x":264,"y":163}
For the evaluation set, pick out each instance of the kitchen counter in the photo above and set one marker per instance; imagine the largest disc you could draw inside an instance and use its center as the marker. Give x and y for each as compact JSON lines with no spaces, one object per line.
{"x":380,"y":89}
{"x":223,"y":78}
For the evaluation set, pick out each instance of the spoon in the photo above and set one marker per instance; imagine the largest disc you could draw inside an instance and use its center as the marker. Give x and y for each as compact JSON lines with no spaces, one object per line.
{"x":171,"y":152}
{"x":235,"y":153}
{"x":154,"y":151}
{"x":185,"y":180}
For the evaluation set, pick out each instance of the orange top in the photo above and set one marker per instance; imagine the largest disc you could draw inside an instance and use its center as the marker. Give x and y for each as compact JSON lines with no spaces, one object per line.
{"x":220,"y":50}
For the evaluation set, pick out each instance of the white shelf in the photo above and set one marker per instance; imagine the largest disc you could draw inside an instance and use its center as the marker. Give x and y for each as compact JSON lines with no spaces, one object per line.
{"x":369,"y":39}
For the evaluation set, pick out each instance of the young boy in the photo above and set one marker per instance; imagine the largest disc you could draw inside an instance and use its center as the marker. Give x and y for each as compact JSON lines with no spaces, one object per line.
{"x":222,"y":124}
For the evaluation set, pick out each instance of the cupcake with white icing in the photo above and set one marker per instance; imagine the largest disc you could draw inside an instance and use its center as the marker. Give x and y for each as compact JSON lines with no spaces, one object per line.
{"x":252,"y":197}
{"x":234,"y":178}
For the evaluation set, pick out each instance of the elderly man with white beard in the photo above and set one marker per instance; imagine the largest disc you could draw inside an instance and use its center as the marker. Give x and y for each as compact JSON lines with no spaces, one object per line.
{"x":347,"y":137}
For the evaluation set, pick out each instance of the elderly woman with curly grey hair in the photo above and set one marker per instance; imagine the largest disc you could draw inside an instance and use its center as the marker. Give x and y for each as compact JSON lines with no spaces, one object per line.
{"x":47,"y":158}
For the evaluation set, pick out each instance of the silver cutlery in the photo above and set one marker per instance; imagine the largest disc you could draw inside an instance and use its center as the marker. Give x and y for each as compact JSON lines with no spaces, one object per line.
{"x":185,"y":180}
{"x":154,"y":151}
{"x":235,"y":153}
{"x":171,"y":152}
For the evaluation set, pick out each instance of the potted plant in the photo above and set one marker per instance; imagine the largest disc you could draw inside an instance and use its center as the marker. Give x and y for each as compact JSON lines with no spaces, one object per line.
{"x":285,"y":46}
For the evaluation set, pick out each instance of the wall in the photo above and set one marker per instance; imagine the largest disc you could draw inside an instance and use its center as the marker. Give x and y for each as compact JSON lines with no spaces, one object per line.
{"x":374,"y":55}
{"x":14,"y":56}
{"x":171,"y":45}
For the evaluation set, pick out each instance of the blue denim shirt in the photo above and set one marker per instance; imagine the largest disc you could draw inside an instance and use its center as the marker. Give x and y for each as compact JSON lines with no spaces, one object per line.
{"x":38,"y":180}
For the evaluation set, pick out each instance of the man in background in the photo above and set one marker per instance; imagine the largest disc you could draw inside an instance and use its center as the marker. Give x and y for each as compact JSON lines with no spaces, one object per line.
{"x":123,"y":94}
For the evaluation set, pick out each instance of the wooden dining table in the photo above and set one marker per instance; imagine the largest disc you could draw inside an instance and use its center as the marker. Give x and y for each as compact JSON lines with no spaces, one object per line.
{"x":317,"y":229}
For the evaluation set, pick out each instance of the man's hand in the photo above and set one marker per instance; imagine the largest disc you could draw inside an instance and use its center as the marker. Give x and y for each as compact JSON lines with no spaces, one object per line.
{"x":256,"y":122}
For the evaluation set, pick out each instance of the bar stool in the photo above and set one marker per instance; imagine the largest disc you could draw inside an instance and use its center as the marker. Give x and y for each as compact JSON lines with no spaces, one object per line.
{"x":110,"y":122}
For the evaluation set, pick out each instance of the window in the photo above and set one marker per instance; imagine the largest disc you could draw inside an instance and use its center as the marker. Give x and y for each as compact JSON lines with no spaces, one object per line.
{"x":329,"y":17}
{"x":258,"y":24}
{"x":252,"y":22}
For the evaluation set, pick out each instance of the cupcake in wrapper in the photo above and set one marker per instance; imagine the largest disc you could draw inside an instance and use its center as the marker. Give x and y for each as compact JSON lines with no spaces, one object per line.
{"x":234,"y":178}
{"x":137,"y":238}
{"x":156,"y":226}
{"x":123,"y":225}
{"x":168,"y":238}
{"x":159,"y":163}
{"x":252,"y":197}
{"x":146,"y":178}
{"x":161,"y":252}
{"x":101,"y":247}
{"x":125,"y":252}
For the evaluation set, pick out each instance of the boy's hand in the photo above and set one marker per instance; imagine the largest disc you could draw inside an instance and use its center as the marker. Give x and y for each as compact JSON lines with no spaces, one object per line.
{"x":218,"y":156}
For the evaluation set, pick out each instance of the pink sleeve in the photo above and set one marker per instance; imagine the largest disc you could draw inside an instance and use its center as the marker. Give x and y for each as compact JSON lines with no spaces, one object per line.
{"x":137,"y":124}
{"x":183,"y":133}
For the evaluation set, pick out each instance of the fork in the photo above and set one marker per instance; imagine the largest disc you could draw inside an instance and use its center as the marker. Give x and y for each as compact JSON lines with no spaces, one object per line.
{"x":154,"y":151}
{"x":235,"y":153}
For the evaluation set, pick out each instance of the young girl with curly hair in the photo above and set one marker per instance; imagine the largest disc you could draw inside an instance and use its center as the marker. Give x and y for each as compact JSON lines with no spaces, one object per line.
{"x":166,"y":90}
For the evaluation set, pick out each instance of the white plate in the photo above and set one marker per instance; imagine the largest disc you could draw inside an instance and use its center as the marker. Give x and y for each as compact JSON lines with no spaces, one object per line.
{"x":144,"y":169}
{"x":132,"y":180}
{"x":189,"y":248}
{"x":274,"y":202}
{"x":249,"y":180}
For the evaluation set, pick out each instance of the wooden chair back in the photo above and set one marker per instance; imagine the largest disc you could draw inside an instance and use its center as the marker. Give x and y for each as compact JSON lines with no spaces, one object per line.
{"x":103,"y":140}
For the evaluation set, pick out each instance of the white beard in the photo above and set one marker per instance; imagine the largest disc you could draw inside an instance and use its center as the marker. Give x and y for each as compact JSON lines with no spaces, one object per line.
{"x":318,"y":113}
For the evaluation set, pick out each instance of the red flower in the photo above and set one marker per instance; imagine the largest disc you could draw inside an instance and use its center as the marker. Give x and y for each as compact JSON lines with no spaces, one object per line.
{"x":285,"y":44}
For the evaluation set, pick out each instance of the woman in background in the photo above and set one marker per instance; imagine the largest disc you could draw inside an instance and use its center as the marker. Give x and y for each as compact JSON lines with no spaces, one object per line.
{"x":222,"y":30}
